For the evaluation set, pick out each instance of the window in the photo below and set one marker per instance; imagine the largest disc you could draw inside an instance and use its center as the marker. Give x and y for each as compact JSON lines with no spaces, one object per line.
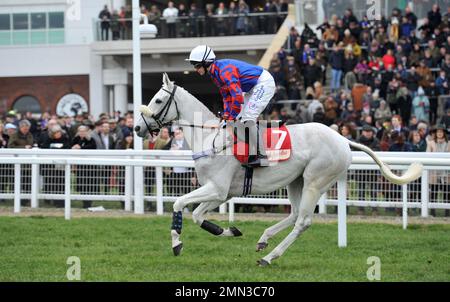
{"x":5,"y":23}
{"x":27,"y":103}
{"x":20,"y":21}
{"x":56,"y":20}
{"x":32,"y":28}
{"x":38,"y":21}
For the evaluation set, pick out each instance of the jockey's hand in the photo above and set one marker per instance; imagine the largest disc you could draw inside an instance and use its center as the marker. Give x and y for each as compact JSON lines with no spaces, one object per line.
{"x":223,"y":124}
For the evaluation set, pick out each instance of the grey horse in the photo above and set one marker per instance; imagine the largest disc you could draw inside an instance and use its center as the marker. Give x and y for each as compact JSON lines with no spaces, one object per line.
{"x":319,"y":157}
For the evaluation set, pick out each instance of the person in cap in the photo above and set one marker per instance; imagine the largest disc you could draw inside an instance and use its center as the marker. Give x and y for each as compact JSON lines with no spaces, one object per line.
{"x":246,"y":90}
{"x":117,"y":133}
{"x":366,"y":179}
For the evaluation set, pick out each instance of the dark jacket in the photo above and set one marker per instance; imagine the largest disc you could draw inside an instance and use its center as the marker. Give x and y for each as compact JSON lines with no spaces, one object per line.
{"x":51,"y":143}
{"x":372,"y":143}
{"x":84,"y":143}
{"x":18,"y":140}
{"x":337,"y":60}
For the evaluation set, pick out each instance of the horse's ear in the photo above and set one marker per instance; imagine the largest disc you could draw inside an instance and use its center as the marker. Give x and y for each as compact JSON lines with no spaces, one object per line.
{"x":166,"y":80}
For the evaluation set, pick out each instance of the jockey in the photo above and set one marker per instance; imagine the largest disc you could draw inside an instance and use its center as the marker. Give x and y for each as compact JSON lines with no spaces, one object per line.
{"x":246,"y":90}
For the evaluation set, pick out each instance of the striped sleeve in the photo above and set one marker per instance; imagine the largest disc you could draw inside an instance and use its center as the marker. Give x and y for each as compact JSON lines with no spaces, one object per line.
{"x":232,"y":94}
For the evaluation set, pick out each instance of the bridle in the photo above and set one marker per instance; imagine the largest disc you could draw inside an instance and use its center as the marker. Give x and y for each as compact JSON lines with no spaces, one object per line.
{"x":161,"y":115}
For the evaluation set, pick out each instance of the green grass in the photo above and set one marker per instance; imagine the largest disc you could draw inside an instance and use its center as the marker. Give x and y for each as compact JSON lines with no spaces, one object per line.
{"x":138,"y":249}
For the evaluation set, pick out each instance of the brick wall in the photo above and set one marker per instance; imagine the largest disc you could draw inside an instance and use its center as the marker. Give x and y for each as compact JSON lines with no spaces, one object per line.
{"x":48,"y":90}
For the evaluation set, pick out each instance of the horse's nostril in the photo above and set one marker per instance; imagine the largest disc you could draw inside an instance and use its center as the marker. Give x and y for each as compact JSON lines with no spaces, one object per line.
{"x":137,"y":128}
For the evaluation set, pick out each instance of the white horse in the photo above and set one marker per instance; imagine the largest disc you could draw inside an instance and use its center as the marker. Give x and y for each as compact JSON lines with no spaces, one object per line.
{"x":319,"y":157}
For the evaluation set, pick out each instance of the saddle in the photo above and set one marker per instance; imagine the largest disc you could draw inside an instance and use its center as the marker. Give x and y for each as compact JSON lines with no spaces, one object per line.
{"x":277,"y":143}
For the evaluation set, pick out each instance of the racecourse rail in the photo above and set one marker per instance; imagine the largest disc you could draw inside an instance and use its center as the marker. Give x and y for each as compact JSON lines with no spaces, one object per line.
{"x":132,"y":164}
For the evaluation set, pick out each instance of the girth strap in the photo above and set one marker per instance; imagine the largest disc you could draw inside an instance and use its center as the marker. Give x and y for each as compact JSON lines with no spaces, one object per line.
{"x":248,"y":180}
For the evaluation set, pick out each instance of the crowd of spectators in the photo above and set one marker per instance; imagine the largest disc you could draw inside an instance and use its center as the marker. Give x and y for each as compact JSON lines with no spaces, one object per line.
{"x":376,"y":82}
{"x":109,"y":131}
{"x":228,"y":18}
{"x":386,"y":74}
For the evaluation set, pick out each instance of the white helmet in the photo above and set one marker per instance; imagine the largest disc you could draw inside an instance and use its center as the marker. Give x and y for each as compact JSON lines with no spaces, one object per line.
{"x":201,"y":54}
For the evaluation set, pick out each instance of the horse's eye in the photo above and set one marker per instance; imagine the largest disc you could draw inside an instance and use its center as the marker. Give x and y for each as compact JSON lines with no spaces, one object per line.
{"x":158,"y":101}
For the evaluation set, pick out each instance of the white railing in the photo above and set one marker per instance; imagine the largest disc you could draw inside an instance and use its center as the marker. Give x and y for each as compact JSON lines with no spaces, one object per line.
{"x":53,"y":174}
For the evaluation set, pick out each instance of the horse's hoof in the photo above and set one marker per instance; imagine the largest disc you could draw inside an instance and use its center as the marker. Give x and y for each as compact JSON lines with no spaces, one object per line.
{"x":262,"y":263}
{"x":261,"y":245}
{"x":235,"y":231}
{"x":177,"y":249}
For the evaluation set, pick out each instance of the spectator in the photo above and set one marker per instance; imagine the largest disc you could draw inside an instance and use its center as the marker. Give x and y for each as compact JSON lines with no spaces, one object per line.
{"x":105,"y":17}
{"x":126,"y":143}
{"x":312,"y":108}
{"x":221,"y":10}
{"x":347,"y":132}
{"x":383,"y":112}
{"x":115,"y":25}
{"x":434,"y":17}
{"x":154,"y":17}
{"x":116,"y":132}
{"x":170,"y":14}
{"x":53,"y":175}
{"x":442,"y":86}
{"x":22,"y":138}
{"x":439,"y":181}
{"x":336,"y":62}
{"x":418,"y":143}
{"x":84,"y":173}
{"x":421,"y":106}
{"x":3,"y":137}
{"x":312,"y":73}
{"x":367,"y":181}
{"x":444,"y":121}
{"x":179,"y":175}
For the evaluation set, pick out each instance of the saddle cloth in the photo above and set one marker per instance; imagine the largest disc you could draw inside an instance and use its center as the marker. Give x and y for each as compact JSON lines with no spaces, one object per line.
{"x":277,"y":142}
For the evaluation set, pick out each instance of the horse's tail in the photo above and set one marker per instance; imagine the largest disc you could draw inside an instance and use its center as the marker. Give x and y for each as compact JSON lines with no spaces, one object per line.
{"x":414,"y":170}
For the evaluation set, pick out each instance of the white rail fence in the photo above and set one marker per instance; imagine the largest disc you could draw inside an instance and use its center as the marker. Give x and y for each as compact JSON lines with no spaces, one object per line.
{"x":107,"y":175}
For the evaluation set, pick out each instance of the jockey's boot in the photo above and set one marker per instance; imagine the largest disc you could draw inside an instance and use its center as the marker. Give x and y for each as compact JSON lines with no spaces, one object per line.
{"x":257,"y":157}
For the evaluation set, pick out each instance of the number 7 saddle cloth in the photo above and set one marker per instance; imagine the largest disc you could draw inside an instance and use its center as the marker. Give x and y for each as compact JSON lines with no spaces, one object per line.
{"x":277,"y":142}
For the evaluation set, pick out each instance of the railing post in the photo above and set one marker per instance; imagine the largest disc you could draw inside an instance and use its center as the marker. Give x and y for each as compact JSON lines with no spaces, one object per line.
{"x":342,"y":212}
{"x":424,"y":193}
{"x":138,"y":190}
{"x":17,"y":188}
{"x":231,"y":210}
{"x":322,"y":207}
{"x":159,"y":191}
{"x":405,"y":206}
{"x":128,"y":184}
{"x":67,"y":205}
{"x":223,"y":208}
{"x":34,"y":184}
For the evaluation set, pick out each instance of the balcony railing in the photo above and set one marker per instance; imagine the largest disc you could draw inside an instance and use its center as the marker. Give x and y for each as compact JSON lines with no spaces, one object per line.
{"x":201,"y":26}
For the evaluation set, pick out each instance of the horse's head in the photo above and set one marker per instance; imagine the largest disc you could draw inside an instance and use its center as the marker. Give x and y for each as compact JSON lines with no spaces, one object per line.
{"x":161,"y":110}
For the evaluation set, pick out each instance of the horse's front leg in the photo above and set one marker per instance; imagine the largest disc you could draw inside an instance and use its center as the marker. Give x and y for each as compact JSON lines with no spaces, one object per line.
{"x":198,"y":217}
{"x":208,"y":192}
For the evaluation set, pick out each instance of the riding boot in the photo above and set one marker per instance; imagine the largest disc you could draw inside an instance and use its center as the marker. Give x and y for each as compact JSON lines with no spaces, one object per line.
{"x":257,"y":153}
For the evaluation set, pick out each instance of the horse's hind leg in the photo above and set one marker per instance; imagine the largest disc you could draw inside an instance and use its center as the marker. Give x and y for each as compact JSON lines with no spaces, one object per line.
{"x":312,"y":191}
{"x":310,"y":197}
{"x":198,"y":217}
{"x":294,"y":194}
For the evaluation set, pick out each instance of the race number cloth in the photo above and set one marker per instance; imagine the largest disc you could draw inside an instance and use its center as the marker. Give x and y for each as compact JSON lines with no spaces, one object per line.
{"x":277,"y":142}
